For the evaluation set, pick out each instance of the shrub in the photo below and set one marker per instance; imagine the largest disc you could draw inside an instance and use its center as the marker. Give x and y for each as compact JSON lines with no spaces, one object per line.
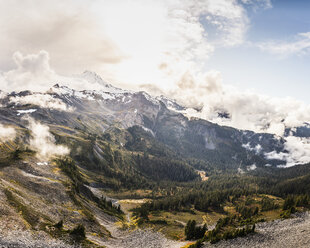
{"x":59,"y":224}
{"x":194,"y":232}
{"x":79,"y":232}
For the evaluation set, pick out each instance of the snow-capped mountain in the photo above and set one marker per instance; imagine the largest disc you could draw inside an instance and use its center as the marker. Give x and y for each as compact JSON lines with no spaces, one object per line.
{"x":100,"y":110}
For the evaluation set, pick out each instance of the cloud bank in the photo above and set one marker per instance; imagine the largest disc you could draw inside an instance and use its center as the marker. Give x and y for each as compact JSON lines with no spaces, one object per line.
{"x":298,"y":152}
{"x":33,"y":72}
{"x":6,"y":133}
{"x":43,"y":142}
{"x":67,"y":29}
{"x":129,"y":42}
{"x":246,"y":109}
{"x":42,"y":100}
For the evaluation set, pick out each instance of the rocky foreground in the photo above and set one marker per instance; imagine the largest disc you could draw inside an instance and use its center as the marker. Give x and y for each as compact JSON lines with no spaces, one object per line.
{"x":41,"y":187}
{"x":288,"y":233}
{"x":143,"y":239}
{"x":135,"y":239}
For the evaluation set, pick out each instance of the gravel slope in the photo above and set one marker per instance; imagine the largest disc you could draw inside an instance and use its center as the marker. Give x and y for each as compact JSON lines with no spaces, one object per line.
{"x":288,"y":233}
{"x":26,"y":239}
{"x":143,"y":239}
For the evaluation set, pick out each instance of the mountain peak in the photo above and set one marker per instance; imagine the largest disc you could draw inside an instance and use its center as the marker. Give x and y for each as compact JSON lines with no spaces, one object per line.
{"x":91,"y":73}
{"x":60,"y":89}
{"x":93,"y":77}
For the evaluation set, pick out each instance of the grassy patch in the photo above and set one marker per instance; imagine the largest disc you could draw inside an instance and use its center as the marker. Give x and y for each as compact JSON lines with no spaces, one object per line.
{"x":172,"y":224}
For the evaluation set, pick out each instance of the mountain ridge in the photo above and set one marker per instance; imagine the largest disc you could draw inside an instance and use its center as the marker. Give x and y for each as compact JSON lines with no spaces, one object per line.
{"x":115,"y":106}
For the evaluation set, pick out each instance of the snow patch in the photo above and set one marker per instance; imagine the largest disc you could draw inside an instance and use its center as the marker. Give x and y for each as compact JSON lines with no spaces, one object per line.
{"x":257,"y":149}
{"x":28,"y":111}
{"x":42,"y":100}
{"x":251,"y":167}
{"x":42,"y":163}
{"x":148,"y":130}
{"x":150,"y":98}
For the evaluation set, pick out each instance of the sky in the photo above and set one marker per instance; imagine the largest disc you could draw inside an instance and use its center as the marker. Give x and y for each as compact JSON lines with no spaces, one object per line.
{"x":255,"y":44}
{"x":282,"y":72}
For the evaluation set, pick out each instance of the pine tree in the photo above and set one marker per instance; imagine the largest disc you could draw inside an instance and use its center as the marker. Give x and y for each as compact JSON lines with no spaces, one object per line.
{"x":190,"y":229}
{"x":253,"y":228}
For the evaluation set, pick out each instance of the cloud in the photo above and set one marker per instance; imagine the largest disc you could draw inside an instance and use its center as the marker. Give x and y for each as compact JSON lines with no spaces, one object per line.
{"x":67,"y":29}
{"x":2,"y":94}
{"x":6,"y":133}
{"x":251,"y":167}
{"x":152,"y":88}
{"x":42,"y":100}
{"x":298,"y":152}
{"x":265,"y":4}
{"x":33,"y":72}
{"x":231,"y":20}
{"x":43,"y":142}
{"x":128,"y":42}
{"x":246,"y":109}
{"x":299,"y":46}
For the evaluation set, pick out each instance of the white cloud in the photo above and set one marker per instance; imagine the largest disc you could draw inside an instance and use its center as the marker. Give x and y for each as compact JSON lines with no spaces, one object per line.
{"x":129,"y":42}
{"x":43,"y":142}
{"x":230,"y":18}
{"x":33,"y":72}
{"x":247,"y":110}
{"x":42,"y":100}
{"x":2,"y":94}
{"x":298,"y":152}
{"x":251,"y":167}
{"x":68,"y":30}
{"x":266,"y":4}
{"x":6,"y":133}
{"x":299,"y":46}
